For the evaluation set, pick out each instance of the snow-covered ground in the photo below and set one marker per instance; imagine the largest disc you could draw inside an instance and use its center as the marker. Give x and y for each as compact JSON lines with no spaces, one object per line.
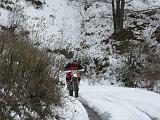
{"x":118,"y":103}
{"x":114,"y":103}
{"x":63,"y":24}
{"x":73,"y":110}
{"x":58,"y":25}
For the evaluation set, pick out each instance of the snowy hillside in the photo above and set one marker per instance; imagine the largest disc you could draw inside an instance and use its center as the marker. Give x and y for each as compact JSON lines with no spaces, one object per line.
{"x":70,"y":28}
{"x":65,"y":24}
{"x":84,"y":29}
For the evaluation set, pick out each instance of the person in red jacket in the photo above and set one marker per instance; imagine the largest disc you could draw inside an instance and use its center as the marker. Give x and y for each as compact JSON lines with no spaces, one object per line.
{"x":74,"y":65}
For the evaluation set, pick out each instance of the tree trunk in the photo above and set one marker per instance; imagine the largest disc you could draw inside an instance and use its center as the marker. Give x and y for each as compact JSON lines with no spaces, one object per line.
{"x":122,"y":13}
{"x":118,"y":14}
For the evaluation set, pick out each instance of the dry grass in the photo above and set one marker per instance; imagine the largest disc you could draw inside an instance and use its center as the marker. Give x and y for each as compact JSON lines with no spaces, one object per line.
{"x":25,"y":79}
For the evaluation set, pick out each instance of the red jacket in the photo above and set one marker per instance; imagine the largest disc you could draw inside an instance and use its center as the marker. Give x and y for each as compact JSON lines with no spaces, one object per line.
{"x":72,"y":66}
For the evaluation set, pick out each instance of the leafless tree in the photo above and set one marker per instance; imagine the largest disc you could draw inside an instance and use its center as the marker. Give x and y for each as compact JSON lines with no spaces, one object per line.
{"x":118,"y":14}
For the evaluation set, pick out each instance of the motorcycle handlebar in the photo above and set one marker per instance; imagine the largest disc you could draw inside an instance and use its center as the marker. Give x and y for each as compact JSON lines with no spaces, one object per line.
{"x":81,"y":70}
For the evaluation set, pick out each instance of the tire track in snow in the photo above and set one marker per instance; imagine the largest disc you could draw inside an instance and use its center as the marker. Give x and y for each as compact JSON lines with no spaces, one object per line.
{"x":152,"y":118}
{"x":91,"y":113}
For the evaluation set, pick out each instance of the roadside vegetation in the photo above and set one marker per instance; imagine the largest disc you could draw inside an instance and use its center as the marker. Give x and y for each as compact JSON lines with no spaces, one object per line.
{"x":27,"y":89}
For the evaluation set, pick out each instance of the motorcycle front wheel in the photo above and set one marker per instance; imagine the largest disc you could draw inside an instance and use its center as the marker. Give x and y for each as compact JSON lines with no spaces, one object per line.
{"x":76,"y":88}
{"x":76,"y":93}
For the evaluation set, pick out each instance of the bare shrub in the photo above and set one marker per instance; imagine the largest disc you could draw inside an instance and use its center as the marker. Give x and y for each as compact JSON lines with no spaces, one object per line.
{"x":141,"y":66}
{"x":36,"y":3}
{"x":27,"y":89}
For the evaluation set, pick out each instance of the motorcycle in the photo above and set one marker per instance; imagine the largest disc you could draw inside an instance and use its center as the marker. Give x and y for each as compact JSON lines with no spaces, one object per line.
{"x":73,"y":85}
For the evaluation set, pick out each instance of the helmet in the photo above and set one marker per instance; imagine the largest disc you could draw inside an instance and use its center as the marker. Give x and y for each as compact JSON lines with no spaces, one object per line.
{"x":74,"y":60}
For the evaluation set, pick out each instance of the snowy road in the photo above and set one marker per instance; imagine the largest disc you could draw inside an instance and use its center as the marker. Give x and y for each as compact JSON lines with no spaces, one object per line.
{"x":129,"y":103}
{"x":113,"y":103}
